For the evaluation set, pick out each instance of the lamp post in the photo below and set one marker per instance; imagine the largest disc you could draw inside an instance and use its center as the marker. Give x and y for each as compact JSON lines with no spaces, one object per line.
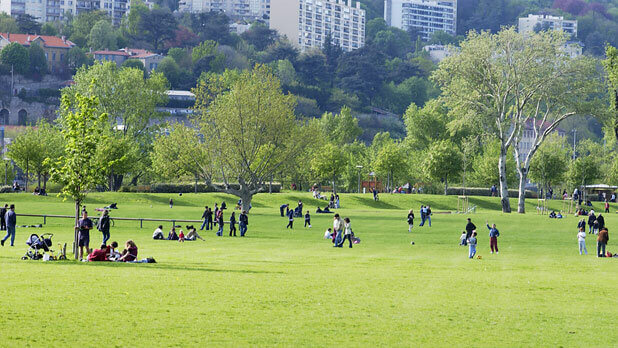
{"x":359,"y":178}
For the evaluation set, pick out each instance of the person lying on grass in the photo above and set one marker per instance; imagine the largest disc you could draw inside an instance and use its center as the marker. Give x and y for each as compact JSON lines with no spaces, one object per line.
{"x":99,"y":254}
{"x":129,"y":254}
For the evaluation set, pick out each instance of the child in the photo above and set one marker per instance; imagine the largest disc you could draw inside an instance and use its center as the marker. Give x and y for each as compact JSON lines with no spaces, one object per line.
{"x":307,"y":219}
{"x":328,"y":234}
{"x":581,"y":238}
{"x":462,"y":239}
{"x":472,"y":245}
{"x":181,"y":236}
{"x":113,"y":253}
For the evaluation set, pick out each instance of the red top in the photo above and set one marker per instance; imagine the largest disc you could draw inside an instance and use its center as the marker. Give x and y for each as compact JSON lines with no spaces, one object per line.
{"x":98,"y":255}
{"x":181,"y":235}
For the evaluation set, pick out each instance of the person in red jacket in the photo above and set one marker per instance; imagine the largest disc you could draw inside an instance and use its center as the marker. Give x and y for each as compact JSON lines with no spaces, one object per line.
{"x":99,"y":254}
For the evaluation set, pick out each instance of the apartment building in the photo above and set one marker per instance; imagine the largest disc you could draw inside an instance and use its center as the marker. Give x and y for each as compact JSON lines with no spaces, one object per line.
{"x":427,"y":16}
{"x":55,"y":48}
{"x":546,"y":22}
{"x":236,"y":9}
{"x":149,"y":59}
{"x":54,"y":10}
{"x":307,"y":23}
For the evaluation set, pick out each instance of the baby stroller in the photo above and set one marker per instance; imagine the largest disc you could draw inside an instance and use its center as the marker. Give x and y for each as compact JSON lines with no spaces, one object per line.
{"x":38,"y":246}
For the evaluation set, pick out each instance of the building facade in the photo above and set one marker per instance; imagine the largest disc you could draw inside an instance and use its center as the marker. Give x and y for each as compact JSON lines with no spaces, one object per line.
{"x":55,"y":48}
{"x":55,"y":10}
{"x":307,"y":23}
{"x":236,"y":9}
{"x":427,"y":16}
{"x":546,"y":22}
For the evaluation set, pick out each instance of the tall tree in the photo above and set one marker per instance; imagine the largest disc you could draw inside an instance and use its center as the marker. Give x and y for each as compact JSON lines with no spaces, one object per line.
{"x":341,"y":128}
{"x":328,"y":163}
{"x":611,"y":68}
{"x":548,"y":166}
{"x":102,"y":36}
{"x":16,"y":55}
{"x":38,"y":61}
{"x":391,"y":161}
{"x":158,"y":26}
{"x":504,"y":82}
{"x":28,"y":24}
{"x":8,"y":24}
{"x":443,"y":160}
{"x":78,"y":170}
{"x":249,"y":127}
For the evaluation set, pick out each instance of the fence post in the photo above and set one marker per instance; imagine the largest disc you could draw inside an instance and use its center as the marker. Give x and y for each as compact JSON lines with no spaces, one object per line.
{"x":141,"y":223}
{"x":44,"y":219}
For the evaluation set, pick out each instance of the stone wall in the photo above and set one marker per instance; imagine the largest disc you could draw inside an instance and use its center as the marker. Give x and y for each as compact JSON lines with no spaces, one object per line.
{"x":16,"y":112}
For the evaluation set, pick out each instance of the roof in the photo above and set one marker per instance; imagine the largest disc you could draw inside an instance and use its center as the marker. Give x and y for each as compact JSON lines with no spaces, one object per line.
{"x":113,"y":53}
{"x":177,"y":93}
{"x":128,"y":52}
{"x":601,"y":186}
{"x":48,"y":41}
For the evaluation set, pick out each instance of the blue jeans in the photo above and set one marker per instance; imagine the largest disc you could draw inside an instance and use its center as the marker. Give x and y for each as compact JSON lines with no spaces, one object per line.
{"x":429,"y":220}
{"x":105,"y":237}
{"x":205,"y":223}
{"x":472,"y":251}
{"x":338,"y":239}
{"x":600,"y":249}
{"x":243,"y":229}
{"x":220,"y":231}
{"x":422,"y":220}
{"x":582,"y":247}
{"x":10,"y":231}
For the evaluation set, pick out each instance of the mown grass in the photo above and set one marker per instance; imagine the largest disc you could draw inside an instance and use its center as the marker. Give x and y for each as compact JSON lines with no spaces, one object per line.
{"x":278,"y":287}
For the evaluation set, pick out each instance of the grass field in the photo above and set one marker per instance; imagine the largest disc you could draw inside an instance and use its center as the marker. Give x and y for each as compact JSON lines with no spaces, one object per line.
{"x":278,"y":287}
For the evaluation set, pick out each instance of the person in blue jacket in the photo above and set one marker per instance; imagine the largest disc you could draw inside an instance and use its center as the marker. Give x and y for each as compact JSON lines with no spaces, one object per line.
{"x":493,"y":237}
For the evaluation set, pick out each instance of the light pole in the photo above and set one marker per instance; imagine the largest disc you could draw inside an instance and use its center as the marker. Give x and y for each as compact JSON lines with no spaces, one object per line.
{"x":359,"y":179}
{"x":574,"y":137}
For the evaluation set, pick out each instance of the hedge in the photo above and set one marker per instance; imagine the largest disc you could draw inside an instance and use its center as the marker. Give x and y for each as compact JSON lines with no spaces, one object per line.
{"x":183,"y":188}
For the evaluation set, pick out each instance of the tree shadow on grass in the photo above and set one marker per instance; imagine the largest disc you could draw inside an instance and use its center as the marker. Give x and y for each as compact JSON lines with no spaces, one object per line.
{"x":369,"y":202}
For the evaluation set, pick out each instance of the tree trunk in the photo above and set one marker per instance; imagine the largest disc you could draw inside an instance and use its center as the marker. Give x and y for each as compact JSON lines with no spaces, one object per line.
{"x":45,"y":178}
{"x":76,"y":232}
{"x":334,"y":188}
{"x":504,"y":190}
{"x":117,"y":181}
{"x":246,"y":201}
{"x":196,"y":184}
{"x":445,"y":184}
{"x":521,"y":203}
{"x":27,"y":174}
{"x":39,"y":181}
{"x":270,"y":185}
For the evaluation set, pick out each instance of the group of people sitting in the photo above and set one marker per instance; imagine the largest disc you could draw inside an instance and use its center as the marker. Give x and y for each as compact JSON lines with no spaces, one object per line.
{"x":180,"y":236}
{"x":554,"y":215}
{"x":110,"y":253}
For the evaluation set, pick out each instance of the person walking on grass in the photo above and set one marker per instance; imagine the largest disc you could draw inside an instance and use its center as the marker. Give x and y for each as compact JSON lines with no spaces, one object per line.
{"x":233,"y":224}
{"x":10,"y":221}
{"x":243,"y":222}
{"x":2,"y":214}
{"x":422,"y":210}
{"x":591,"y":219}
{"x":220,"y":222}
{"x":602,"y":240}
{"x":171,"y":203}
{"x":290,"y":220}
{"x":308,"y":219}
{"x":103,"y":226}
{"x":337,"y":229}
{"x":410,"y":220}
{"x":428,"y":215}
{"x":347,"y":232}
{"x":83,"y":237}
{"x":470,"y":227}
{"x":205,"y":217}
{"x":606,"y":206}
{"x":581,"y":224}
{"x":493,"y":237}
{"x":472,"y":245}
{"x":581,"y":240}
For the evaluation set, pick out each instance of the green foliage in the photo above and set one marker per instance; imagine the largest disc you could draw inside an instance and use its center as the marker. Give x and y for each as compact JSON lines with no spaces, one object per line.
{"x":329,"y":164}
{"x":157,"y":26}
{"x":548,"y":166}
{"x":84,"y":22}
{"x":443,"y":160}
{"x":426,"y":125}
{"x":49,"y":29}
{"x":76,"y":58}
{"x":485,"y":166}
{"x":135,"y":64}
{"x":28,"y":24}
{"x":206,"y":58}
{"x":38,"y":61}
{"x":342,"y":128}
{"x":102,"y":36}
{"x":583,"y":171}
{"x":259,"y":36}
{"x":16,"y":55}
{"x":611,"y":69}
{"x":8,"y":24}
{"x":391,"y":162}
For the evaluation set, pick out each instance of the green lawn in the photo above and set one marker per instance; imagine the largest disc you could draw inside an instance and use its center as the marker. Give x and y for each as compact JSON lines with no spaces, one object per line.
{"x":291,"y":288}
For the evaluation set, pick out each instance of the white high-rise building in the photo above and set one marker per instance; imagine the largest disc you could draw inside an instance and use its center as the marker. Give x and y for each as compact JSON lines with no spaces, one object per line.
{"x":543,"y":22}
{"x":246,"y":9}
{"x":307,"y":23}
{"x":55,"y":10}
{"x":427,"y":16}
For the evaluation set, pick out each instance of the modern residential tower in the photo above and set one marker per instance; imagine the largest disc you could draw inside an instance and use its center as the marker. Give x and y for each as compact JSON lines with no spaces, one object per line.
{"x":236,"y":9}
{"x":546,"y":22}
{"x":427,"y":16}
{"x":307,"y":23}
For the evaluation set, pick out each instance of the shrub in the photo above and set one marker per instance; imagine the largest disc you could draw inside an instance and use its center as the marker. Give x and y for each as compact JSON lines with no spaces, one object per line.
{"x":181,"y":188}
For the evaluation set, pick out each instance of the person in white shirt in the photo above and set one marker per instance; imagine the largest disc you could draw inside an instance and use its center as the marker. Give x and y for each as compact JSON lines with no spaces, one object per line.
{"x":337,"y":229}
{"x":581,"y":238}
{"x":348,"y":232}
{"x":158,"y":233}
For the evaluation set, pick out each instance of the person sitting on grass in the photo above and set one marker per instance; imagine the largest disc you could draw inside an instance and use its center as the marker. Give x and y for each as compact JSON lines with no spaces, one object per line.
{"x":129,"y":254}
{"x":181,"y":236}
{"x":99,"y":254}
{"x":462,"y":239}
{"x":172,"y":235}
{"x":113,"y":254}
{"x":192,"y":234}
{"x":328,"y":234}
{"x":158,"y":233}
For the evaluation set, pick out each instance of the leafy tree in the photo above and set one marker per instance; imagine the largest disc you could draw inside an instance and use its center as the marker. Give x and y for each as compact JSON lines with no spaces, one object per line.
{"x":443,"y":160}
{"x":134,"y":17}
{"x":390,"y":161}
{"x":158,"y":26}
{"x":117,"y":155}
{"x":28,"y":24}
{"x":485,"y":166}
{"x":170,"y":69}
{"x":611,"y":69}
{"x":102,"y":36}
{"x":524,"y":82}
{"x":78,"y":169}
{"x":127,"y":98}
{"x":392,"y":41}
{"x":17,"y":56}
{"x":342,"y":128}
{"x":181,"y":153}
{"x":211,"y":26}
{"x":282,"y":49}
{"x":285,"y":72}
{"x":38,"y":61}
{"x":374,"y":26}
{"x":76,"y":58}
{"x":328,"y":163}
{"x":8,"y":24}
{"x":180,"y":56}
{"x":206,"y":58}
{"x":84,"y":22}
{"x":49,"y":29}
{"x":548,"y":166}
{"x":426,"y":125}
{"x":135,"y":64}
{"x":259,"y":35}
{"x":583,"y":171}
{"x":249,"y":128}
{"x":311,"y":68}
{"x":396,"y":98}
{"x":361,"y":72}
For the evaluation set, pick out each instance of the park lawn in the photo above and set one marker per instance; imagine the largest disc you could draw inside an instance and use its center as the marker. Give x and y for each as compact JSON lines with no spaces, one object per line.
{"x":291,"y":288}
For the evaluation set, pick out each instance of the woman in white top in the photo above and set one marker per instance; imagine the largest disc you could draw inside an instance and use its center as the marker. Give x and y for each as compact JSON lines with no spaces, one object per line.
{"x":581,"y":239}
{"x":337,"y":228}
{"x":348,"y":232}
